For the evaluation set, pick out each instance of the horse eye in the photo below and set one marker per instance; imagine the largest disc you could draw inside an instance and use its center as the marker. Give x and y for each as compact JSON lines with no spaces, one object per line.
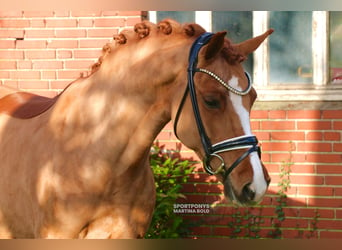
{"x":212,"y":103}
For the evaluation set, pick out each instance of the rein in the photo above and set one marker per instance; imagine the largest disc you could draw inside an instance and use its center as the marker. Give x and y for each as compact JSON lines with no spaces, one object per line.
{"x":249,"y":142}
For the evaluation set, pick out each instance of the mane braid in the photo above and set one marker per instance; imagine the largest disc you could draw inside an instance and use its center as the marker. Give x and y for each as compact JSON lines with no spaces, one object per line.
{"x":142,"y":30}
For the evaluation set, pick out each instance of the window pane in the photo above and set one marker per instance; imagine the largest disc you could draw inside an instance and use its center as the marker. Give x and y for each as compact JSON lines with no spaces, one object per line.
{"x":179,"y":16}
{"x":336,"y":46}
{"x":239,"y":27}
{"x":291,"y":47}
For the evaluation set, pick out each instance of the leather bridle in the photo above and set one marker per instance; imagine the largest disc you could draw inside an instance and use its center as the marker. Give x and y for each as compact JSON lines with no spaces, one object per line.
{"x":248,"y":142}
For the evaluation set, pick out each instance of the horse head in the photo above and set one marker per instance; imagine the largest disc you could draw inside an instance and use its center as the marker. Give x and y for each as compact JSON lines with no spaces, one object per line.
{"x":201,"y":77}
{"x":213,"y":117}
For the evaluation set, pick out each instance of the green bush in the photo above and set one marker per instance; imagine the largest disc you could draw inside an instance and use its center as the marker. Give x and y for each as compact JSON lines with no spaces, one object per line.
{"x":170,"y":172}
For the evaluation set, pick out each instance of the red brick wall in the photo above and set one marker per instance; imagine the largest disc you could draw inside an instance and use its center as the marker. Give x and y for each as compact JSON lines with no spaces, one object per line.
{"x":305,"y":140}
{"x":44,"y":51}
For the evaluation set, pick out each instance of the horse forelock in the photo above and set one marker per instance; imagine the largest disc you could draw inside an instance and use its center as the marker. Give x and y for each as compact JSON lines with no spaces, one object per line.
{"x":144,"y":29}
{"x":231,"y":54}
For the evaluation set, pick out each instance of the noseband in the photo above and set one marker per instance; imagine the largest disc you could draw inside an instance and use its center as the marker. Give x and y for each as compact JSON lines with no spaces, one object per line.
{"x":249,"y":142}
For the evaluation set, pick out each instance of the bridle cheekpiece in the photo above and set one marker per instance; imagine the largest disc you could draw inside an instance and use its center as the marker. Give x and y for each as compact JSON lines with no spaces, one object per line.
{"x":212,"y":151}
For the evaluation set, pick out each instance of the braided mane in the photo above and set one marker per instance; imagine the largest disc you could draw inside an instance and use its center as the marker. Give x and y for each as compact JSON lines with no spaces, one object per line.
{"x":166,"y":27}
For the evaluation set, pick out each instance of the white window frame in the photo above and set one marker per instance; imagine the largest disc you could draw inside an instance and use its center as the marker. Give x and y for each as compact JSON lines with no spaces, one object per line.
{"x":319,"y":90}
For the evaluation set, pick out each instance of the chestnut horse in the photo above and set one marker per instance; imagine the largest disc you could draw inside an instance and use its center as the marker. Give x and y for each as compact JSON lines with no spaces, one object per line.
{"x":77,"y":165}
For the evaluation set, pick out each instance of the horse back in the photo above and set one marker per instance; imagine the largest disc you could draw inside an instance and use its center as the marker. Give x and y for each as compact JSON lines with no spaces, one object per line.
{"x":23,"y":105}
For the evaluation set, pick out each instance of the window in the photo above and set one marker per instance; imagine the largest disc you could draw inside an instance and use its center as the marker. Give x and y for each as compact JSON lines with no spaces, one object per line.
{"x":335,"y":47}
{"x":302,"y":59}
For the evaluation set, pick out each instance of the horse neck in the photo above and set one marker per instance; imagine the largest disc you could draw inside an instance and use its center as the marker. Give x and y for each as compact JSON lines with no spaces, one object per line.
{"x":124,"y":111}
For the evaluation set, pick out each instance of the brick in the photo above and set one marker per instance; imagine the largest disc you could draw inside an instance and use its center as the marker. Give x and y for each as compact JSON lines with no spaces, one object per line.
{"x":331,"y":224}
{"x":332,"y":114}
{"x":295,"y":223}
{"x":303,"y":169}
{"x":277,"y":146}
{"x":310,"y":213}
{"x":37,"y":23}
{"x":303,"y":114}
{"x":314,"y":147}
{"x":332,"y":136}
{"x":314,"y":125}
{"x":4,"y":74}
{"x":105,"y":33}
{"x":263,"y":136}
{"x":68,"y":74}
{"x":14,"y":23}
{"x":48,"y":74}
{"x":314,"y":136}
{"x":277,"y":125}
{"x":25,"y":64}
{"x":47,"y":65}
{"x":329,"y":169}
{"x":255,"y":125}
{"x":265,"y":157}
{"x":337,"y":125}
{"x":296,"y":201}
{"x":64,"y":54}
{"x":40,"y":33}
{"x":307,"y":179}
{"x":8,"y":65}
{"x":337,"y":191}
{"x":11,"y":33}
{"x":286,"y":157}
{"x":324,"y":158}
{"x":81,"y":64}
{"x":333,"y":180}
{"x":316,"y":191}
{"x":11,"y":54}
{"x":292,"y":136}
{"x":40,"y":54}
{"x":34,"y":84}
{"x":7,"y":44}
{"x":109,"y":22}
{"x":259,"y":114}
{"x":337,"y":147}
{"x":11,"y":84}
{"x":90,"y":53}
{"x":20,"y":74}
{"x":61,"y":23}
{"x":277,"y":114}
{"x":330,"y":234}
{"x":31,"y":44}
{"x":62,"y":44}
{"x":93,"y":43}
{"x":71,"y":33}
{"x":85,"y":22}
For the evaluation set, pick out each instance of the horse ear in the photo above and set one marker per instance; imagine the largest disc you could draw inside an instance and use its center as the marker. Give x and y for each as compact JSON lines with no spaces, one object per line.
{"x":215,"y":45}
{"x":252,"y":44}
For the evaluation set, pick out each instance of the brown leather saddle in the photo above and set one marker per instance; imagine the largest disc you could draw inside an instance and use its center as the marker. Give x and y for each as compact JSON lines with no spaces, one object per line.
{"x":25,"y":105}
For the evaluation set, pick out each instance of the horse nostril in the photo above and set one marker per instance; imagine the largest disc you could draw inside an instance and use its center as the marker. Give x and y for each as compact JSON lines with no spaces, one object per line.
{"x":248,"y":193}
{"x":268,"y":181}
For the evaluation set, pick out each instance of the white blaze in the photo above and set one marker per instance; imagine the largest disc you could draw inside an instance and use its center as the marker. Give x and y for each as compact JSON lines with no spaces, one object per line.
{"x":259,"y":184}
